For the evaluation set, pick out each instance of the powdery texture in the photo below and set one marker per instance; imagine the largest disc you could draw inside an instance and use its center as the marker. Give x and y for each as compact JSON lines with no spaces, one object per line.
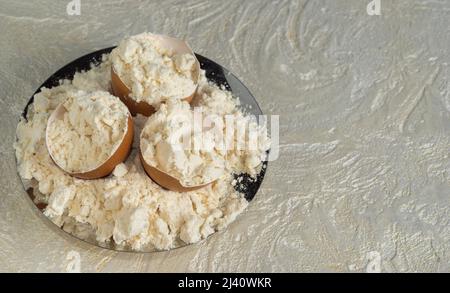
{"x":90,"y":130}
{"x":152,"y":73}
{"x":246,"y":147}
{"x":349,"y":180}
{"x":199,"y":145}
{"x":127,"y":207}
{"x":167,"y":144}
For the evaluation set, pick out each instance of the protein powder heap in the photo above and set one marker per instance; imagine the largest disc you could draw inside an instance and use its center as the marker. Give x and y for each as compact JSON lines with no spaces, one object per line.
{"x":167,"y":143}
{"x":152,"y":73}
{"x":246,"y":147}
{"x":127,"y":209}
{"x":90,"y":130}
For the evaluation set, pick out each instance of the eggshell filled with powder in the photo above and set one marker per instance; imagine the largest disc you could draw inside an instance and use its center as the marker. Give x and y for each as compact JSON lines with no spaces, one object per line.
{"x":149,"y":69}
{"x":88,"y":134}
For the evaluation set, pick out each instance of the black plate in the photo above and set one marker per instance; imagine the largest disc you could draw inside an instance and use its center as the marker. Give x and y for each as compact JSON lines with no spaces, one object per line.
{"x":214,"y":72}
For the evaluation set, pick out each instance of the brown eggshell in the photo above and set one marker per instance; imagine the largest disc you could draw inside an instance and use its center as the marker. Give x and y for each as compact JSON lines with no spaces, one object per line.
{"x":107,"y":167}
{"x":165,"y":180}
{"x":121,"y":90}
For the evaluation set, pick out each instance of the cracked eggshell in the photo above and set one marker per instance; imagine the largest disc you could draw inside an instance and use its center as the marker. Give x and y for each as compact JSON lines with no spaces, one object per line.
{"x":165,"y":180}
{"x":121,"y":90}
{"x":105,"y":168}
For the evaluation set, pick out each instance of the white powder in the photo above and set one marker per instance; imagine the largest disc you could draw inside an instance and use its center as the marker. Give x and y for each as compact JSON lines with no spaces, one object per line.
{"x":162,"y":146}
{"x":196,"y":152}
{"x":120,"y":170}
{"x":243,"y":154}
{"x":126,"y":207}
{"x":153,"y":74}
{"x":89,"y":131}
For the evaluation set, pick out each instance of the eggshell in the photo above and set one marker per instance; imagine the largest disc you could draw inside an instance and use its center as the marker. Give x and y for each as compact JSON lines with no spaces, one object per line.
{"x":108,"y":166}
{"x":121,"y":90}
{"x":165,"y":180}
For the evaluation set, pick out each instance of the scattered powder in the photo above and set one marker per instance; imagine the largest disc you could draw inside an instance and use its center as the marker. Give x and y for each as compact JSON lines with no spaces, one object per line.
{"x":152,"y":73}
{"x":127,"y":208}
{"x":90,"y":130}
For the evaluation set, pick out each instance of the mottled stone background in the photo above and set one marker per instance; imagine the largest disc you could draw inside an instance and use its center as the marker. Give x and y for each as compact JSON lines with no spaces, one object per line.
{"x":364,"y":104}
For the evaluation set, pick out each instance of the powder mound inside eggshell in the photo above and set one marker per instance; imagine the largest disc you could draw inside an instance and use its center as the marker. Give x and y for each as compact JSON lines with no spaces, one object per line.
{"x":88,"y":132}
{"x":167,"y":143}
{"x":152,"y":73}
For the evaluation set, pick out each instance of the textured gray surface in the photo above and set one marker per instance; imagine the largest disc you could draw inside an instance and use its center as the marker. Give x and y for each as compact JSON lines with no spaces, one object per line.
{"x":364,"y":104}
